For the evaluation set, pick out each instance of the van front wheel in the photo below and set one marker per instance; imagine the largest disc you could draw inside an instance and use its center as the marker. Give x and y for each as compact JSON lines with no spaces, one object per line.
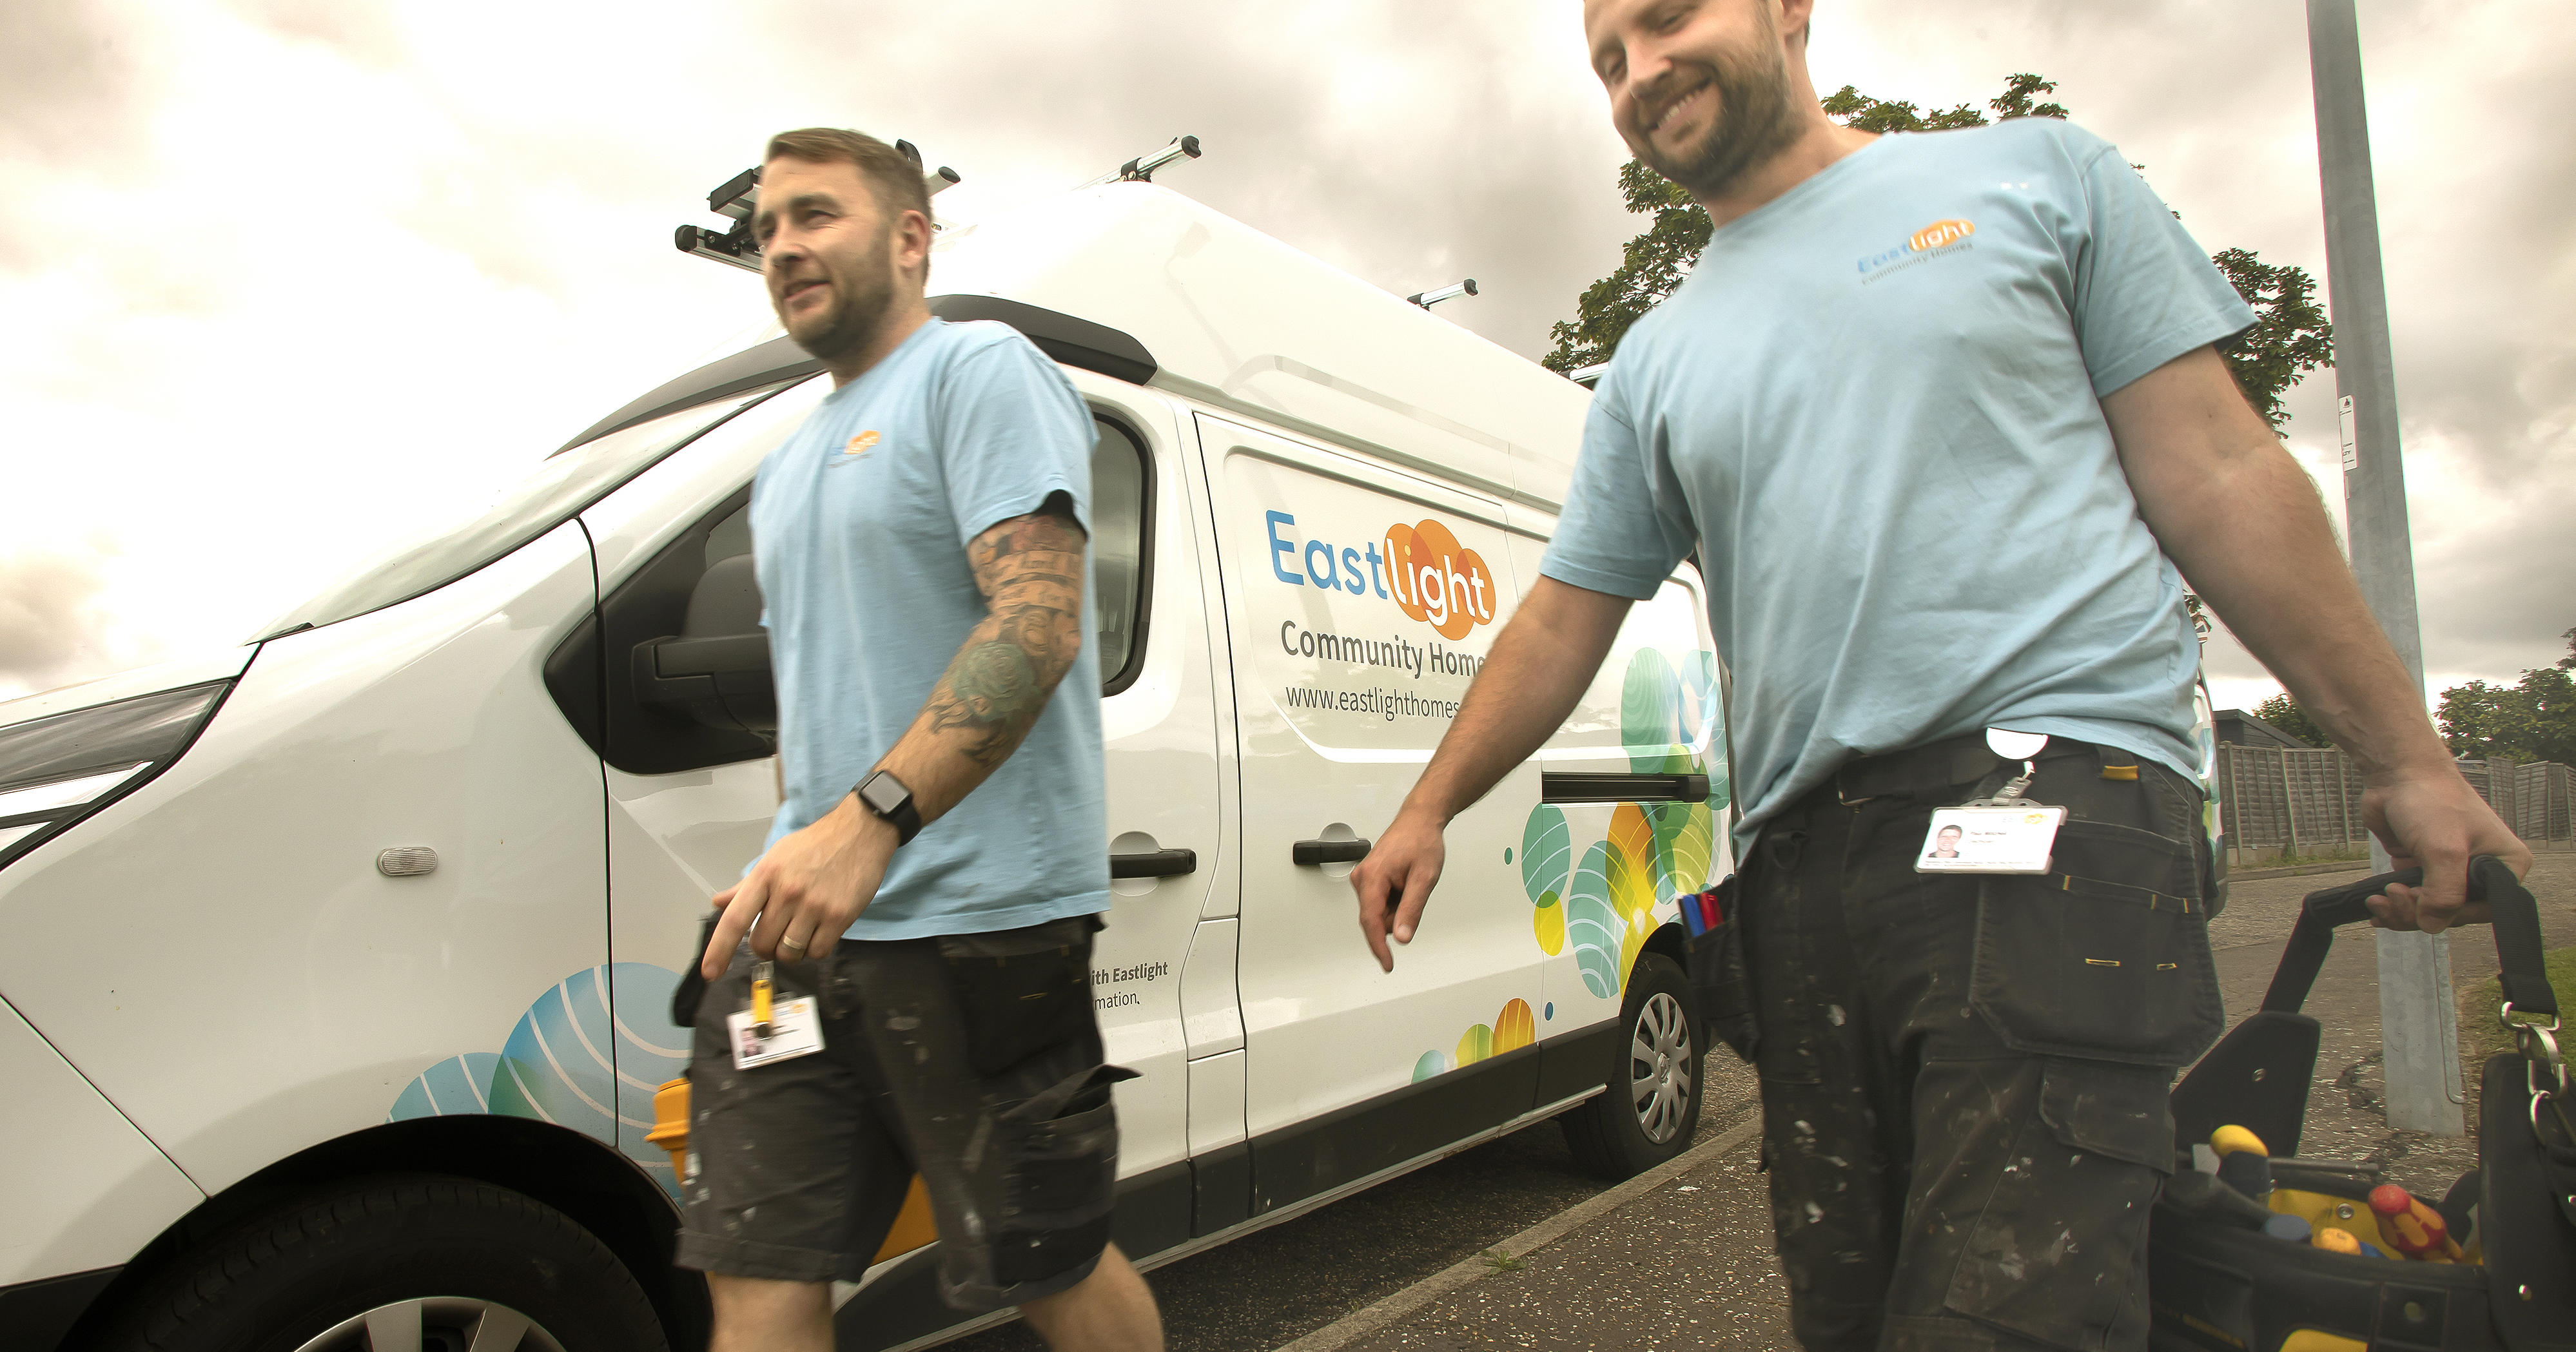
{"x":415,"y":1262}
{"x":1650,"y":1109}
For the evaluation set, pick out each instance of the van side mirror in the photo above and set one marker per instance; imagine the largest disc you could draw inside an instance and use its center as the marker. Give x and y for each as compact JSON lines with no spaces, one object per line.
{"x":716,"y":670}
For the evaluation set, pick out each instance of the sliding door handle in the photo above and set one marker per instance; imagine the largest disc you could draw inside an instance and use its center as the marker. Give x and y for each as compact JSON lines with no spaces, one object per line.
{"x":1329,"y":851}
{"x":1577,"y":786}
{"x":1154,"y":864}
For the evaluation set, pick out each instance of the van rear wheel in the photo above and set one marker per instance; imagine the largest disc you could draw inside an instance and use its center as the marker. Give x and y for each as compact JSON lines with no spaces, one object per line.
{"x":420,"y":1263}
{"x":1650,"y":1110}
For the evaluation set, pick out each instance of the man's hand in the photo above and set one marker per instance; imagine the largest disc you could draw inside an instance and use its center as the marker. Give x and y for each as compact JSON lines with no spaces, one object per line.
{"x":1396,"y":879}
{"x":806,"y":890}
{"x":1532,"y":678}
{"x":2434,"y":819}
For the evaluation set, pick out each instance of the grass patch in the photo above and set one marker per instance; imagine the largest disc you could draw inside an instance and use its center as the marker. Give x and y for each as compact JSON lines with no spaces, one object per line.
{"x":2480,"y":1035}
{"x":1498,"y":1261}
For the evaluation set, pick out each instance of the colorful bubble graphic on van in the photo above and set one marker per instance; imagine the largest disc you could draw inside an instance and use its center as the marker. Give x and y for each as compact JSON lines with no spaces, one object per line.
{"x":587,"y":1054}
{"x":1547,"y":854}
{"x":1512,"y":1029}
{"x":1605,"y":901}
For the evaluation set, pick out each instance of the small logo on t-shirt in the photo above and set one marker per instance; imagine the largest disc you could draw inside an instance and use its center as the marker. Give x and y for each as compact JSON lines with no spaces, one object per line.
{"x":1932,"y":241}
{"x":860,"y":444}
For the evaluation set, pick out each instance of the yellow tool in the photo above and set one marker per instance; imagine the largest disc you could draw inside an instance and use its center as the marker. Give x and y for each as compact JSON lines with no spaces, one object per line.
{"x":913,"y":1225}
{"x":2228,"y":1140}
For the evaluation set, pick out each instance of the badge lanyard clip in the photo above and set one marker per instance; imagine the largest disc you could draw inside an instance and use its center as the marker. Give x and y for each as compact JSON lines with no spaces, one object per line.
{"x":2010,"y":795}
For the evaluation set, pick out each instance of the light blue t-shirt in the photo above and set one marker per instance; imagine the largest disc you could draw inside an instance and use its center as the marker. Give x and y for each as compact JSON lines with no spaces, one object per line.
{"x":1874,"y":409}
{"x":860,"y":524}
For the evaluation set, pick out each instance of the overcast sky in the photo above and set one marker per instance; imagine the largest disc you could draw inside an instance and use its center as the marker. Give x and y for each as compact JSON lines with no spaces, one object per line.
{"x":284,"y":276}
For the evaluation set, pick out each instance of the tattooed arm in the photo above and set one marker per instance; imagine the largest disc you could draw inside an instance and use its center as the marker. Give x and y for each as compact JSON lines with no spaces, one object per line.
{"x":814,"y":882}
{"x":1030,"y":570}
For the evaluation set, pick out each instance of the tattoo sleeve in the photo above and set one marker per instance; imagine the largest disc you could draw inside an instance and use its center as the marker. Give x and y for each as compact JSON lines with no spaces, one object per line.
{"x":1030,"y":569}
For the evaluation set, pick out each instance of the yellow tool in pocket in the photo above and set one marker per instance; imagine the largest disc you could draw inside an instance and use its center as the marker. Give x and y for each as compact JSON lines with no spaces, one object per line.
{"x":913,"y":1225}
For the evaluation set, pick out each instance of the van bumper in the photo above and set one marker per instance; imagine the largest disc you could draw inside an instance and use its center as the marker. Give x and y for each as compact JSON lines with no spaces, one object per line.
{"x":34,"y":1316}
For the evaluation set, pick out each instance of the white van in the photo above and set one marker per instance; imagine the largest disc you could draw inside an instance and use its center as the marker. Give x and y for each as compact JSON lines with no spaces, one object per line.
{"x":339,"y":966}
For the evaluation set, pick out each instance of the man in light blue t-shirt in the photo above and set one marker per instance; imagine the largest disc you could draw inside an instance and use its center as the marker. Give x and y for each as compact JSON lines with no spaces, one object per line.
{"x":929,"y":890}
{"x":1941,"y":417}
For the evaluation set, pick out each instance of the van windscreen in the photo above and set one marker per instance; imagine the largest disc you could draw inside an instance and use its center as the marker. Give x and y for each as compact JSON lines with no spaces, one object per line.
{"x":563,"y":484}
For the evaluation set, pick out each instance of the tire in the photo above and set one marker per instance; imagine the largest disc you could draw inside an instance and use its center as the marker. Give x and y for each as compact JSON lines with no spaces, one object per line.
{"x":1650,"y":1109}
{"x":470,"y":1258}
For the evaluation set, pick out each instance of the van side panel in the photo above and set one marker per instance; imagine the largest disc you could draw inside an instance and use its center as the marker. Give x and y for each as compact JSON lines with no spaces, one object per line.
{"x":1360,"y":602}
{"x":1602,"y":876}
{"x":220,"y":954}
{"x":83,"y":1189}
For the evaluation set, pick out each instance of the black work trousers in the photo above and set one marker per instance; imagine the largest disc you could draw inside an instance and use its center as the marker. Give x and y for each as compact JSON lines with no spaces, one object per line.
{"x":1965,"y":1078}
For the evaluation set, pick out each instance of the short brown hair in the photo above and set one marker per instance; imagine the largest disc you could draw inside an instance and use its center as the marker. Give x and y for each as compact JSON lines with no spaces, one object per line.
{"x":894,"y":176}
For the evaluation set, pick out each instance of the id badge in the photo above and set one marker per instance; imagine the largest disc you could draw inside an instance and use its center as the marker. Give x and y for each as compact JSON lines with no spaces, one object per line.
{"x":1990,"y":839}
{"x":794,"y":1030}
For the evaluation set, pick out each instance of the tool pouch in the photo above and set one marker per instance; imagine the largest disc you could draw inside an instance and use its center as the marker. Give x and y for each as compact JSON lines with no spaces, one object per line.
{"x":1721,"y":982}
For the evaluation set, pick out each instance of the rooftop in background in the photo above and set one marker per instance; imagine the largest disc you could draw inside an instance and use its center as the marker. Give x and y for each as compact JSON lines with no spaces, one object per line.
{"x":2244,"y":729}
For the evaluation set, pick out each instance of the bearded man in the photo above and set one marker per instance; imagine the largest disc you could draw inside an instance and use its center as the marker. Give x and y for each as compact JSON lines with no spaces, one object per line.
{"x":931,"y":885}
{"x":1941,"y":417}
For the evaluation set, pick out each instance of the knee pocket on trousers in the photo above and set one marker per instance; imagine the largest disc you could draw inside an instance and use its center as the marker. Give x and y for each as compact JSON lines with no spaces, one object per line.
{"x":2058,"y":1254}
{"x":1061,"y":1184}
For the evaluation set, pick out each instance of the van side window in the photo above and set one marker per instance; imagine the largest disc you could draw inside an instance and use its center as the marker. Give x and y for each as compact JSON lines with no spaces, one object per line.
{"x":1120,"y":567}
{"x":730,"y":537}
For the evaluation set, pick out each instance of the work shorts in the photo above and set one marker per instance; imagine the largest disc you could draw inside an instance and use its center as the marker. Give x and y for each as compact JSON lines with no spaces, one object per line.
{"x":972,"y":1060}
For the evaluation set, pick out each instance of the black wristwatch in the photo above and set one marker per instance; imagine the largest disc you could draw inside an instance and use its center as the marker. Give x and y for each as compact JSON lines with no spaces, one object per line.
{"x":885,"y":795}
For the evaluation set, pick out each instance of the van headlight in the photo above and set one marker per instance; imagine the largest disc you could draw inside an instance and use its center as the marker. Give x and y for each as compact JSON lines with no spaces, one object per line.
{"x":55,"y":771}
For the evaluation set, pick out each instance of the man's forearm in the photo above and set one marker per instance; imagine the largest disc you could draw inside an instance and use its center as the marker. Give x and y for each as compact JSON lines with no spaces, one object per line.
{"x":1538,"y":670}
{"x":999,"y":682}
{"x":2265,"y":560}
{"x":2243,"y":523}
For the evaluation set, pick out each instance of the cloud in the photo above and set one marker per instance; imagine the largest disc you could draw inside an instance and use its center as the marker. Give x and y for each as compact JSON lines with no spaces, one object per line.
{"x":51,"y":628}
{"x":70,"y":87}
{"x":287,"y":276}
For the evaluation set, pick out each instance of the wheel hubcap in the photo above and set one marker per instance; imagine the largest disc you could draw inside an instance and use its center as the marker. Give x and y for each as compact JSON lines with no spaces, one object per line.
{"x":435,"y":1324}
{"x":1659,"y":1067}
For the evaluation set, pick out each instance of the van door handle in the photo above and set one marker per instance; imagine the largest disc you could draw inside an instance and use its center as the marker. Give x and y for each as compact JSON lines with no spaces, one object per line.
{"x":1329,"y":851}
{"x":1154,"y":864}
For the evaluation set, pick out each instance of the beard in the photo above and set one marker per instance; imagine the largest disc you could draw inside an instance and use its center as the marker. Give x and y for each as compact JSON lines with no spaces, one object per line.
{"x":862,"y":295}
{"x":1754,"y":122}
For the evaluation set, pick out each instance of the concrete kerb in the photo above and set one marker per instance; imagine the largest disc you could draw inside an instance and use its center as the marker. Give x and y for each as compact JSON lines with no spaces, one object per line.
{"x":1358,"y":1324}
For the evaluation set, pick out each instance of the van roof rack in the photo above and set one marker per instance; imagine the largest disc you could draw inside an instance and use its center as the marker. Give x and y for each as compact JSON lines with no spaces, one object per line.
{"x":1427,"y":299}
{"x":739,"y":196}
{"x":1141,"y":169}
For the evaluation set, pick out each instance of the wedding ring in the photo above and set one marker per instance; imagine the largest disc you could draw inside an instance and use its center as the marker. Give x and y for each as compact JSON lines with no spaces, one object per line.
{"x":793,"y":945}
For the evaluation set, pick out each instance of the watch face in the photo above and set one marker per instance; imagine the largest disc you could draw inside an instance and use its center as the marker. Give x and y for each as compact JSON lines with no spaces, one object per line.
{"x":883,"y":793}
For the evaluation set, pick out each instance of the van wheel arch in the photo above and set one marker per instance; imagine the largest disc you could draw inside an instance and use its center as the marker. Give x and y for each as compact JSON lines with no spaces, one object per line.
{"x":594,"y":1185}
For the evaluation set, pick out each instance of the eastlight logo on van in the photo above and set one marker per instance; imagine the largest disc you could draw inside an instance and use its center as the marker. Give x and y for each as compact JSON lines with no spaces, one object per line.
{"x":1423,"y":569}
{"x":1438,"y":580}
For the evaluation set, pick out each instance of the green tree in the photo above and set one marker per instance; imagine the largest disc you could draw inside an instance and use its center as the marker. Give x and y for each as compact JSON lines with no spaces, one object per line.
{"x":2290,"y":336}
{"x":2284,"y":713}
{"x":2569,"y":661}
{"x":2532,"y":719}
